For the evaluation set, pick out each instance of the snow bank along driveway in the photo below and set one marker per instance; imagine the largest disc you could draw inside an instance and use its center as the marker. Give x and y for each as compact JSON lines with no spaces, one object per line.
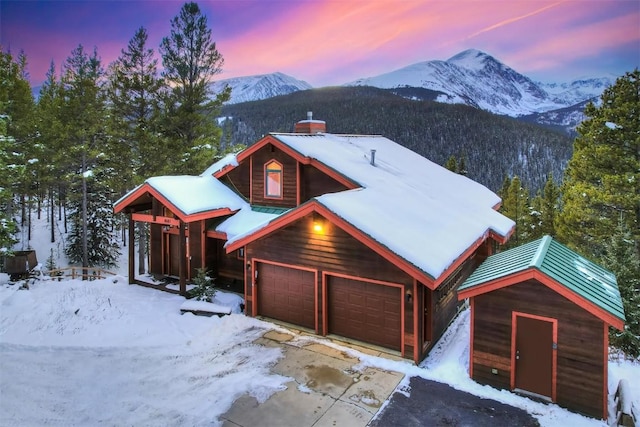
{"x":74,"y":353}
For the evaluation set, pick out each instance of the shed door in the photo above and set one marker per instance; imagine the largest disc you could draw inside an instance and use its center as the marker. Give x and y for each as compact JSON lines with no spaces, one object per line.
{"x":286,"y":294}
{"x":534,"y":356}
{"x":365,"y":311}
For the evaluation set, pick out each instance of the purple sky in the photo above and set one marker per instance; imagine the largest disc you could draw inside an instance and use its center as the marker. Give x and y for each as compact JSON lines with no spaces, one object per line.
{"x":331,"y":42}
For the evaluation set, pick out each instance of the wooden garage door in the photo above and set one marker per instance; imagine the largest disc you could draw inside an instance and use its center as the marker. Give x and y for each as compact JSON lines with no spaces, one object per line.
{"x":286,"y":294}
{"x":364,"y":311}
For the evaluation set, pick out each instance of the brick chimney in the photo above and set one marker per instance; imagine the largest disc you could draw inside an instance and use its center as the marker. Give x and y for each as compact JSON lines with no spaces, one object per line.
{"x":310,"y":126}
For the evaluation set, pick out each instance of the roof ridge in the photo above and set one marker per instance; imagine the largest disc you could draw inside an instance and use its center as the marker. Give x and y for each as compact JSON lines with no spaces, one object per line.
{"x":541,"y":252}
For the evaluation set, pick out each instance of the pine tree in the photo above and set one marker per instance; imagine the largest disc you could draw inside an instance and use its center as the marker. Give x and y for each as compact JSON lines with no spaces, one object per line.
{"x":544,"y":209}
{"x":87,"y":146}
{"x":16,"y":131}
{"x":190,"y":61}
{"x":134,"y":92}
{"x":515,"y":205}
{"x":602,"y":180}
{"x":620,"y":256}
{"x":452,"y":164}
{"x":50,"y":139}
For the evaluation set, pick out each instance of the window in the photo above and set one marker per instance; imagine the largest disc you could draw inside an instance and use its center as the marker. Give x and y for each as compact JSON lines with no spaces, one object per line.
{"x":273,"y":180}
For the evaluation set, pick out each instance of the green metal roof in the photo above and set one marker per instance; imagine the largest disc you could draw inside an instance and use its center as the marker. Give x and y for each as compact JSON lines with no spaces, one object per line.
{"x":581,"y":276}
{"x":269,"y":209}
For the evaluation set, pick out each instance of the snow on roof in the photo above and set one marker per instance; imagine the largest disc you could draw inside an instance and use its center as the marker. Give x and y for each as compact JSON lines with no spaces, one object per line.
{"x":194,"y":194}
{"x":228,"y":160}
{"x":244,"y":222}
{"x":416,"y":208}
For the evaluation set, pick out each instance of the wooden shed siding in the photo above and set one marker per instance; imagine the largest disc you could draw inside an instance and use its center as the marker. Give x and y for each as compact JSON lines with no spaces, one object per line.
{"x":289,"y":177}
{"x":580,"y":366}
{"x":332,"y":251}
{"x":315,"y":183}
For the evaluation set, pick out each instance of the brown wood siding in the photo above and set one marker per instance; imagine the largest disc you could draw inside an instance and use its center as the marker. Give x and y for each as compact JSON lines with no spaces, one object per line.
{"x":315,"y":183}
{"x":580,"y":369}
{"x":228,"y":265}
{"x":239,"y":179}
{"x":289,"y":177}
{"x":445,"y":302}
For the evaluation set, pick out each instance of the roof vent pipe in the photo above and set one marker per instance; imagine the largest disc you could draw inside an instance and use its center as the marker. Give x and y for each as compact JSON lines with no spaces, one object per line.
{"x":309,"y":115}
{"x":373,"y":157}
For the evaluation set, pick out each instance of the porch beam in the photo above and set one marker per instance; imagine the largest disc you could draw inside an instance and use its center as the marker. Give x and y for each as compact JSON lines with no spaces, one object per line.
{"x":182,"y":269}
{"x":155,"y":219}
{"x":132,"y":274}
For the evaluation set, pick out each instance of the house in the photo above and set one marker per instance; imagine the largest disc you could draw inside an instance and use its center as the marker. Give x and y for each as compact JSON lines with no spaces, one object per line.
{"x":540,"y":317}
{"x":347,"y":235}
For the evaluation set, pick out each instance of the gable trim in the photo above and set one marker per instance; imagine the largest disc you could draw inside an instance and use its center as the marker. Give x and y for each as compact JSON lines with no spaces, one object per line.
{"x":270,"y":139}
{"x":549,"y":282}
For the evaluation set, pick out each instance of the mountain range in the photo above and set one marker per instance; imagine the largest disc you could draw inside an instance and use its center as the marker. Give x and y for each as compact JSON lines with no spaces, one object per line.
{"x":471,"y":77}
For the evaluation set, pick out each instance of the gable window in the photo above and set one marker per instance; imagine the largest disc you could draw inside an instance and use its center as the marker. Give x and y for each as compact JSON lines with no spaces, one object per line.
{"x":273,"y":180}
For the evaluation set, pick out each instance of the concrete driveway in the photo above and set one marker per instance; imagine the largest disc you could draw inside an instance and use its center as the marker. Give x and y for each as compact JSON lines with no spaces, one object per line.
{"x":325,"y":391}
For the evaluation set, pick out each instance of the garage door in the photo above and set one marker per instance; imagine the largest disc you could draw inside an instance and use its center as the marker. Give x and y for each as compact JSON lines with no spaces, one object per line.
{"x":364,"y":311}
{"x":286,"y":294}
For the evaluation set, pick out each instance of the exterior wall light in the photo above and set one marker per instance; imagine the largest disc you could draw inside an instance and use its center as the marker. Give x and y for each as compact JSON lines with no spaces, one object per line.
{"x":318,"y":223}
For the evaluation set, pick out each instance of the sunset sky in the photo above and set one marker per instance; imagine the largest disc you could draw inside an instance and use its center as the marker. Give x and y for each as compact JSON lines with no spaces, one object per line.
{"x":331,"y":42}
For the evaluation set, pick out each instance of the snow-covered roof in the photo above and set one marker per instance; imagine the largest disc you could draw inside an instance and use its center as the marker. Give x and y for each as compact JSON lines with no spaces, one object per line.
{"x":194,"y":194}
{"x":419,"y":210}
{"x":188,"y":194}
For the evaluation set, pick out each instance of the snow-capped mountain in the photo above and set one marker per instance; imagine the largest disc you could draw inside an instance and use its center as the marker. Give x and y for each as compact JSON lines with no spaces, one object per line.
{"x":263,"y":86}
{"x":475,"y":78}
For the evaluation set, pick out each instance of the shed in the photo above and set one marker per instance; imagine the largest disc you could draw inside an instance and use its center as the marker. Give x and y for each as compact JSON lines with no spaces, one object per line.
{"x":540,"y":315}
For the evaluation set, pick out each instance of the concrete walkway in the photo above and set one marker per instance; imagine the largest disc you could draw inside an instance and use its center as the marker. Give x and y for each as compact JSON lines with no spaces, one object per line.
{"x":325,"y":391}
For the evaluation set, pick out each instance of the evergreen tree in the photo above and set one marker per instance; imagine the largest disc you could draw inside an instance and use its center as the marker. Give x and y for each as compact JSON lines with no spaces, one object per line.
{"x":134,"y":92}
{"x":20,"y":108}
{"x":602,"y":180}
{"x":50,"y":139}
{"x":515,"y":205}
{"x":190,"y":61}
{"x":16,"y":129}
{"x":452,"y":164}
{"x":86,"y":145}
{"x":101,"y":236}
{"x":620,"y":256}
{"x":544,"y":209}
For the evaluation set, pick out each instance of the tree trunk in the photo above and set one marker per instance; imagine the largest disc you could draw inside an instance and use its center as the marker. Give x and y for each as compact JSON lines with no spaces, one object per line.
{"x":85,"y":246}
{"x":53,"y":217}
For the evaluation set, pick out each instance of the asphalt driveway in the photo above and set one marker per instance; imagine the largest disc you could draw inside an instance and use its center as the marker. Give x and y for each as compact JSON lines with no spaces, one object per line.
{"x":435,"y":404}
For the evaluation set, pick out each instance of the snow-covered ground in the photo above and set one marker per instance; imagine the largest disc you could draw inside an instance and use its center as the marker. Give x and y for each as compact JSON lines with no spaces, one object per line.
{"x":105,"y":352}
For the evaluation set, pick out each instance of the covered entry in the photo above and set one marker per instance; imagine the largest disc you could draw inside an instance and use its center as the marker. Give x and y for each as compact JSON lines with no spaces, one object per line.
{"x":286,"y":293}
{"x":364,"y":310}
{"x":534,"y":355}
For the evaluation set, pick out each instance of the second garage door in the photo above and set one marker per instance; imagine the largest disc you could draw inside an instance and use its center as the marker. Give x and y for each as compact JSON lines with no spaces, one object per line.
{"x":286,"y":294}
{"x":364,"y":311}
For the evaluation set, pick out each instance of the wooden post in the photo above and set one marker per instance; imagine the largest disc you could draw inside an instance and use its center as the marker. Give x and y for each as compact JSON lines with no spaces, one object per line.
{"x":182,"y":269}
{"x":132,"y":245}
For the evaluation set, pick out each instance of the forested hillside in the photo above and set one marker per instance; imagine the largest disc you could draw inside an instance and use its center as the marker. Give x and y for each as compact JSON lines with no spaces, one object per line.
{"x":493,"y":147}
